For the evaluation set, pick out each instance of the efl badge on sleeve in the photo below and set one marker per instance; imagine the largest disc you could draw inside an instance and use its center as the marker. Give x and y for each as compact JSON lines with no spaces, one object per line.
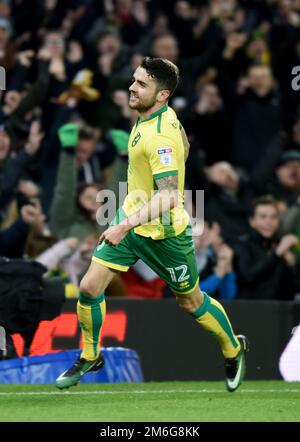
{"x":165,"y":155}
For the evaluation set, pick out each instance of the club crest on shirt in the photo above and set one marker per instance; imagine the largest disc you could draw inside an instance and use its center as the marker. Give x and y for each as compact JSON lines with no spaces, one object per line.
{"x":165,"y":155}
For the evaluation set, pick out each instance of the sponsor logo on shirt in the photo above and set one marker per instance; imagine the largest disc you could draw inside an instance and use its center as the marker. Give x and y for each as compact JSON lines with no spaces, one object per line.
{"x":165,"y":155}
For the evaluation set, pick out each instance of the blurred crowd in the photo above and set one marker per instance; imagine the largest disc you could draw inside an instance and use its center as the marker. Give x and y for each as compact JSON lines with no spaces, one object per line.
{"x":72,"y":61}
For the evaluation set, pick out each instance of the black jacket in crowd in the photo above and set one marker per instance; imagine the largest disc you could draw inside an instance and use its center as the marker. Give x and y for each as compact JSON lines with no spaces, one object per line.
{"x":256,"y":122}
{"x":261,"y":273}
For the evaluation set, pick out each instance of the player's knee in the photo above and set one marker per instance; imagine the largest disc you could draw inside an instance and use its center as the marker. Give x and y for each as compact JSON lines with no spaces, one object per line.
{"x":87,"y":287}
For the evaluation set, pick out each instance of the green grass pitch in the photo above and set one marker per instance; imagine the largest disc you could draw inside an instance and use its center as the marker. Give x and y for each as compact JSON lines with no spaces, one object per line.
{"x":154,"y":401}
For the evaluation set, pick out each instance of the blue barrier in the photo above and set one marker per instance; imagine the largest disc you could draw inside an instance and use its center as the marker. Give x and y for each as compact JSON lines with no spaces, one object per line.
{"x":121,"y":365}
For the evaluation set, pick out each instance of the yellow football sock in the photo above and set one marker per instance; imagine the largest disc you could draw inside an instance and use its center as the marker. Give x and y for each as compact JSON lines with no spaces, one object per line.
{"x":91,"y":314}
{"x":212,"y":317}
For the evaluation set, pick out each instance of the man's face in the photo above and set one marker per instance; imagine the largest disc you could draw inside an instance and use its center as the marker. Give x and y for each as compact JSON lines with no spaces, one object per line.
{"x":265,"y":220}
{"x":143,"y":91}
{"x":257,"y":47}
{"x":4,"y":145}
{"x":260,"y":80}
{"x":212,"y":97}
{"x":285,"y":7}
{"x":85,"y":149}
{"x":88,"y":201}
{"x":166,"y":47}
{"x":54,"y":42}
{"x":296,"y":132}
{"x":109,"y":44}
{"x":4,"y":37}
{"x":288,"y":175}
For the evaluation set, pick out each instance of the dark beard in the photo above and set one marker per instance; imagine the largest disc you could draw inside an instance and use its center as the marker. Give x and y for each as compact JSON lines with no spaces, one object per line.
{"x":142,"y":108}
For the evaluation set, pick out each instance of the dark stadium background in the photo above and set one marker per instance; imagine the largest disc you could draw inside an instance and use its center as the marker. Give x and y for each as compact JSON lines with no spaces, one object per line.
{"x":73,"y":61}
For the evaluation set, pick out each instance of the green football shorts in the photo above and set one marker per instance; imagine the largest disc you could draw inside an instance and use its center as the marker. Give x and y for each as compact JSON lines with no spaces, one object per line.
{"x":173,"y":259}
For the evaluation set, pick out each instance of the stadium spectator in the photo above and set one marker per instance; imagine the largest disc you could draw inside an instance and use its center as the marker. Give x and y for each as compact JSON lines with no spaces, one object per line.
{"x":77,"y":218}
{"x":93,"y":156}
{"x":22,"y":104}
{"x":288,"y":177}
{"x":6,"y":46}
{"x":256,"y":116}
{"x":16,"y":180}
{"x":290,"y":220}
{"x":265,"y":265}
{"x":290,"y":223}
{"x":224,"y":202}
{"x":294,"y":142}
{"x":13,"y":239}
{"x":69,"y":256}
{"x":166,"y":46}
{"x":203,"y":116}
{"x":215,"y":263}
{"x":5,"y":146}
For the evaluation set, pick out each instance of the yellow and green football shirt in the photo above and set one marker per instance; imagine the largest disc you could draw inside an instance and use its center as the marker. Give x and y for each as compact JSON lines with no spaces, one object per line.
{"x":155,"y":150}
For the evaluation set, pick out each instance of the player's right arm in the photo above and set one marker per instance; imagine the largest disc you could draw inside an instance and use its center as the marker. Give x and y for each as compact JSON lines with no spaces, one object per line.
{"x":162,"y":202}
{"x":162,"y":156}
{"x":186,"y":143}
{"x":161,"y":152}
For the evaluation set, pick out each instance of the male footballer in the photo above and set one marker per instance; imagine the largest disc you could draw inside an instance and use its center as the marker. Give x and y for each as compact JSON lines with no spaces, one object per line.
{"x":152,"y":225}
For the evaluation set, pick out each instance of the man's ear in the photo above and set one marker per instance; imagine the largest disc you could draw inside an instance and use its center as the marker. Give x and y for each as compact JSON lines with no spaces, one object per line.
{"x":163,"y":95}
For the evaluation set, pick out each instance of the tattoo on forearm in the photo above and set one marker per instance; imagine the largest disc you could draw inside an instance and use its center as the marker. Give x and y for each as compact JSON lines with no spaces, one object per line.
{"x":167,"y":183}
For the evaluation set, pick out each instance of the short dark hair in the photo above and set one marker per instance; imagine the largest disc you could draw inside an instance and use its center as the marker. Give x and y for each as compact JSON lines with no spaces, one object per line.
{"x":86,"y":133}
{"x":265,"y":200}
{"x":163,"y":71}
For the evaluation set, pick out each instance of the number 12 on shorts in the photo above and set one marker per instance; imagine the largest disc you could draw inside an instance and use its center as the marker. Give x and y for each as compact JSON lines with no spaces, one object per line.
{"x":178,"y":274}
